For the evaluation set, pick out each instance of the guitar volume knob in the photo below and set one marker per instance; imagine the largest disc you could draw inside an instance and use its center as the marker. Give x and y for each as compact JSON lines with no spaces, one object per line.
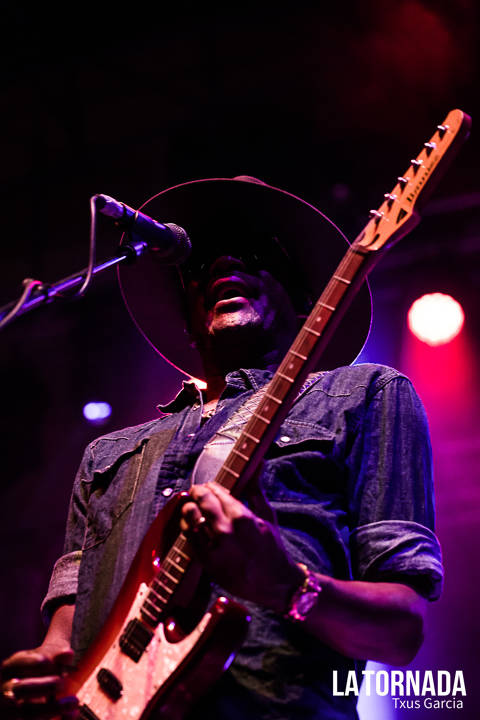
{"x":110,"y":684}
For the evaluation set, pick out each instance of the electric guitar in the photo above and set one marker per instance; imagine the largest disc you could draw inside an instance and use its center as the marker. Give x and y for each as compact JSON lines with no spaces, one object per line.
{"x":158,"y":647}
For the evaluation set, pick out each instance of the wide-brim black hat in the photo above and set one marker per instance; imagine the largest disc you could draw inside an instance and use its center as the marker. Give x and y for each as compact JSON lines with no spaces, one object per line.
{"x":211,"y":211}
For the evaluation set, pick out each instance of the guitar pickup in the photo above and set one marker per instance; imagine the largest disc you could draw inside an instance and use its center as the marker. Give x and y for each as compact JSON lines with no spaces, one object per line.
{"x":110,"y":684}
{"x":135,"y":639}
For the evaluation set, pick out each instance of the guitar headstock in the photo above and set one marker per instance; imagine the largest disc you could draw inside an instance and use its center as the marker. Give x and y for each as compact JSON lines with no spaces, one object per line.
{"x":400,"y":210}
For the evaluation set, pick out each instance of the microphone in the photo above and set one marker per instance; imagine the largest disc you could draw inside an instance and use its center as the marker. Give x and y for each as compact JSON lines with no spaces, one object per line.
{"x":169,"y":241}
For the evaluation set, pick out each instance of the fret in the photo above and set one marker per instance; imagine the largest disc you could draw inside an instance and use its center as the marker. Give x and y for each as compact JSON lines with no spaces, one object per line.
{"x":260,"y":417}
{"x":157,"y":595}
{"x":181,"y":542}
{"x":177,"y":566}
{"x":342,"y":279}
{"x":232,"y":472}
{"x":252,"y":437}
{"x":149,"y":616}
{"x":180,"y":552}
{"x":328,"y":307}
{"x":165,"y":579}
{"x":157,"y":581}
{"x":176,"y":550}
{"x":155,"y":609}
{"x":311,"y":330}
{"x":240,"y":454}
{"x":272,"y":397}
{"x":171,"y":566}
{"x":172,"y":577}
{"x":160,"y":597}
{"x":151,"y":613}
{"x":297,"y":354}
{"x":285,"y":377}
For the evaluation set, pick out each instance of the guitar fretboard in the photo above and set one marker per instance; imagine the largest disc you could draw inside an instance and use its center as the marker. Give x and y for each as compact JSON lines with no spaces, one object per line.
{"x":164,"y":584}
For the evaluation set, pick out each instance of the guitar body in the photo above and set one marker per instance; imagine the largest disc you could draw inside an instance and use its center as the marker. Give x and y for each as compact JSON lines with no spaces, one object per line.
{"x":187,"y":653}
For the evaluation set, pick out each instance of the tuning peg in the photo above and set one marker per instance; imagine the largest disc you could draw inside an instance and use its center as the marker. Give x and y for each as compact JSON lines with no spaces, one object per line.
{"x":376,"y":215}
{"x":403,"y":181}
{"x":442,"y":129}
{"x":390,"y":197}
{"x":416,"y":164}
{"x":430,"y":146}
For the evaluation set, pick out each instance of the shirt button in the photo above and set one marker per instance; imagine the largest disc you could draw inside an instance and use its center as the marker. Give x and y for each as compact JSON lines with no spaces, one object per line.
{"x":166,"y":492}
{"x":285,"y":438}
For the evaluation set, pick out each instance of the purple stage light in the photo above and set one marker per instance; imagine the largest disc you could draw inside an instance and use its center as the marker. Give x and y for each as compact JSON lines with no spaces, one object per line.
{"x":96,"y":411}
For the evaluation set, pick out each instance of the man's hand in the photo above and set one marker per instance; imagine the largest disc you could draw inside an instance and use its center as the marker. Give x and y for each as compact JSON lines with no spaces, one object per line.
{"x":244,"y":553}
{"x":31,"y":679}
{"x":240,"y":550}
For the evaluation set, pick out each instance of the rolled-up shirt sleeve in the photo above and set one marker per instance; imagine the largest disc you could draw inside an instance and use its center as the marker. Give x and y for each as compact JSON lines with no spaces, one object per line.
{"x":392,"y":537}
{"x":64,"y":579}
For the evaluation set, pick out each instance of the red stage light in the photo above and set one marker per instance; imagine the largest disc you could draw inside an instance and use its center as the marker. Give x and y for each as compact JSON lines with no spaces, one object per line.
{"x":435,"y":318}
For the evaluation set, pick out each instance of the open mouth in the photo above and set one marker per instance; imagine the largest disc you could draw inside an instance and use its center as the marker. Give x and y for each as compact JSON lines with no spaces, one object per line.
{"x":227,"y":288}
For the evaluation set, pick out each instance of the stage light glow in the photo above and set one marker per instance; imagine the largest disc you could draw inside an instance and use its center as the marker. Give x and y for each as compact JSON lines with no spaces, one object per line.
{"x":435,"y":318}
{"x":97,"y":411}
{"x":201,"y":384}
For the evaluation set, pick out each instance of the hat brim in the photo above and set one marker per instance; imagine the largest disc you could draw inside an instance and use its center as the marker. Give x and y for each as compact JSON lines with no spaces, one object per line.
{"x":206,"y":209}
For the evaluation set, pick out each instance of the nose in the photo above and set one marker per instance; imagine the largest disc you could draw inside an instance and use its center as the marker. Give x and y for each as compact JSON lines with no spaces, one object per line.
{"x":225,"y":264}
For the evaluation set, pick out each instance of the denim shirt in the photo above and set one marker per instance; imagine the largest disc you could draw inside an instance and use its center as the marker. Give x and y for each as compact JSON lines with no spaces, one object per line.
{"x":349,"y":476}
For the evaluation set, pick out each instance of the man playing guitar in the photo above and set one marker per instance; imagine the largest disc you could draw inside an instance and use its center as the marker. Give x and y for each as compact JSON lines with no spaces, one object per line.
{"x":331,"y":546}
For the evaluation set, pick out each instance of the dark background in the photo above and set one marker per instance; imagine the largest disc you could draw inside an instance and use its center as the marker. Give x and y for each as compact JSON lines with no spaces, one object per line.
{"x":328,"y":102}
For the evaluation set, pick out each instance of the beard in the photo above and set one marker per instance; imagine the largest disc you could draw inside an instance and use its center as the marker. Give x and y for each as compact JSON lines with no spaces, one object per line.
{"x":242,"y":337}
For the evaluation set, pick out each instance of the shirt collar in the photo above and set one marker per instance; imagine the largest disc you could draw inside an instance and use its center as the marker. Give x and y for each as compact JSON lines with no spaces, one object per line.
{"x":238,"y":380}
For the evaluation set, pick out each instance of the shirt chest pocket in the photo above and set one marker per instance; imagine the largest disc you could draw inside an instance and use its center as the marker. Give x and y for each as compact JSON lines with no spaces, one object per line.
{"x":110,"y":493}
{"x":300,"y":465}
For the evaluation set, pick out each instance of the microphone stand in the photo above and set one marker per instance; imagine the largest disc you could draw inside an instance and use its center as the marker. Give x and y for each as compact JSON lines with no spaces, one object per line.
{"x":37,"y":293}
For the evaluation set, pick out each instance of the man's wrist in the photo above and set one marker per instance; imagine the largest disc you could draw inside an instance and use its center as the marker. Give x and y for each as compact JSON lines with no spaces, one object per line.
{"x":305,"y":595}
